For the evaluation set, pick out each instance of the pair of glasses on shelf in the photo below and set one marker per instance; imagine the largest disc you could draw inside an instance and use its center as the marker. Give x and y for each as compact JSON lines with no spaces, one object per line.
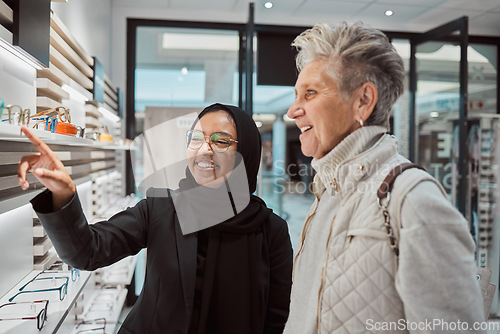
{"x":62,"y":289}
{"x":61,"y":268}
{"x":48,"y":123}
{"x":97,"y":325}
{"x":74,"y":274}
{"x":49,"y":119}
{"x":40,"y":317}
{"x":219,"y":141}
{"x":15,"y":114}
{"x":62,"y":113}
{"x":57,"y":120}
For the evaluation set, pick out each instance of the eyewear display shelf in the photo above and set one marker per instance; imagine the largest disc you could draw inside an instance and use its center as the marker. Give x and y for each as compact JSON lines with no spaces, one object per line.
{"x":57,"y":310}
{"x":12,"y":132}
{"x":87,"y":161}
{"x":93,"y":304}
{"x":120,"y":273}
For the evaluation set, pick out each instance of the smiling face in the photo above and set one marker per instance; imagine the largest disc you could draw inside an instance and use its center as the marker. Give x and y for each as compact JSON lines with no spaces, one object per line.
{"x":319,"y":111}
{"x":207,"y":166}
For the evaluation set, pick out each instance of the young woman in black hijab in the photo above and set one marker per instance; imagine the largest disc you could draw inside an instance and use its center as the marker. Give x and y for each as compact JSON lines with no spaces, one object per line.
{"x":232,"y":276}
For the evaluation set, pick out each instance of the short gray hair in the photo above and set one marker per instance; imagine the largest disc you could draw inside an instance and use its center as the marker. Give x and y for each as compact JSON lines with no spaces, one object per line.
{"x":362,"y":54}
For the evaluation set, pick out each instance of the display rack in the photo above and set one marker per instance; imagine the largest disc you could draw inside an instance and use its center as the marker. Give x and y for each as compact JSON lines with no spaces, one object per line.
{"x":69,"y":65}
{"x":94,"y":165}
{"x":57,"y":310}
{"x":483,"y":202}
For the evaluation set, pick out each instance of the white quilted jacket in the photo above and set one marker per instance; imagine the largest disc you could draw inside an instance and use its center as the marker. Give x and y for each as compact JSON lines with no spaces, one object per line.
{"x":347,"y":279}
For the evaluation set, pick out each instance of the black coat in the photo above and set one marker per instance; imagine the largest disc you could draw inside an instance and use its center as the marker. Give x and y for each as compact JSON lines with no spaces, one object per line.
{"x":166,"y":301}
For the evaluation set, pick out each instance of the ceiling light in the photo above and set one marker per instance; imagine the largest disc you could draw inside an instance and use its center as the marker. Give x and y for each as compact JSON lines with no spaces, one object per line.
{"x":389,"y":13}
{"x":434,"y":114}
{"x":268,"y":5}
{"x":184,"y":70}
{"x":258,"y":124}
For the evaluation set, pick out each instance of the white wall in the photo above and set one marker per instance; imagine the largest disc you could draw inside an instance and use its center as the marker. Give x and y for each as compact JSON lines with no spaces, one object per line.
{"x":89,"y":21}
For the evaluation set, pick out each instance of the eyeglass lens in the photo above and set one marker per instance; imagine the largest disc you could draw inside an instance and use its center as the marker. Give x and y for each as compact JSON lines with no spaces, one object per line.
{"x":41,"y":319}
{"x":63,"y":114}
{"x":218,"y":141}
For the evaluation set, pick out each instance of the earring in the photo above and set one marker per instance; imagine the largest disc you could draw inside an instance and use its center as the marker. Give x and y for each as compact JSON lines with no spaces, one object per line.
{"x":361,"y":122}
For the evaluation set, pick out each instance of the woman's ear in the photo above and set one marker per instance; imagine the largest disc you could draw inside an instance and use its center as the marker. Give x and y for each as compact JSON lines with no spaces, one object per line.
{"x":366,"y":99}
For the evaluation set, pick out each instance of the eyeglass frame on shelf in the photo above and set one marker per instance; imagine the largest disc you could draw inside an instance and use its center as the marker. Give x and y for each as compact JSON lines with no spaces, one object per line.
{"x":63,"y":287}
{"x":38,"y":316}
{"x":90,"y":322}
{"x":24,"y":115}
{"x":75,"y":274}
{"x":189,"y":136}
{"x":50,"y":123}
{"x":65,"y":113}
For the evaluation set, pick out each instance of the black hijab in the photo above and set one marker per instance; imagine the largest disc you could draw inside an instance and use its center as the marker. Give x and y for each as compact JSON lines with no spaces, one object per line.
{"x":236,"y":269}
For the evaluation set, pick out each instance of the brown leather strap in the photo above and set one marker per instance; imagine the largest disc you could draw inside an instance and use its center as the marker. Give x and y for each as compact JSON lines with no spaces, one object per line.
{"x":386,"y":186}
{"x":383,"y":191}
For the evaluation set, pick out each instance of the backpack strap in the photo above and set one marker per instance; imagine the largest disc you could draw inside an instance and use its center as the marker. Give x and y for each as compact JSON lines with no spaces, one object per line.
{"x":384,"y":191}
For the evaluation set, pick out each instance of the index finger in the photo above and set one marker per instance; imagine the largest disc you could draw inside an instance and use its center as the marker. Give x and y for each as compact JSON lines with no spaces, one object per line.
{"x":37,"y":142}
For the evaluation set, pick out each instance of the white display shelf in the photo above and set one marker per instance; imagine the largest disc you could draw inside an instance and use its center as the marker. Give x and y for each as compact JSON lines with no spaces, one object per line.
{"x":57,"y":310}
{"x":38,"y":231}
{"x":12,"y":132}
{"x":119,"y":273}
{"x":112,"y":313}
{"x":40,"y":249}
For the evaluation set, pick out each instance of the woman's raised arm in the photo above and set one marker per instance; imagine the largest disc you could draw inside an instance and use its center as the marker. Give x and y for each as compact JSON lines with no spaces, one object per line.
{"x":48,"y":169}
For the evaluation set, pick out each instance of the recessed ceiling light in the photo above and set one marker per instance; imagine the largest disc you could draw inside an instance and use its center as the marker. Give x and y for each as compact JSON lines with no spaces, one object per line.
{"x":184,"y":70}
{"x":268,"y":5}
{"x":389,"y":13}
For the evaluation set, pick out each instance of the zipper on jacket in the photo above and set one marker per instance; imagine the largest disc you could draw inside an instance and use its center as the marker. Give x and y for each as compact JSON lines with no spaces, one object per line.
{"x":303,"y":235}
{"x":320,"y":293}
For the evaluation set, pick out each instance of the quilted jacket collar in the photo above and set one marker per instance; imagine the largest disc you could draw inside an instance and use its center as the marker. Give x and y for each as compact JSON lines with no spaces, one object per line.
{"x":360,"y":154}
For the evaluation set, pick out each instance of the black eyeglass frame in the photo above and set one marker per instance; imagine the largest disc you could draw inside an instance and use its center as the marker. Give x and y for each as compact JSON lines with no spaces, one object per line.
{"x":41,"y":317}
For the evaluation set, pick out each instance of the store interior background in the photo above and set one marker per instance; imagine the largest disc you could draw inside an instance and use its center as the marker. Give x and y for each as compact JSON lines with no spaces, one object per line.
{"x":182,"y":63}
{"x":203,"y":68}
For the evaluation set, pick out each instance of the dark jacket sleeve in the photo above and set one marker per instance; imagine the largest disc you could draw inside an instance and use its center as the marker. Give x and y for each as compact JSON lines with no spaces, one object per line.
{"x":281,"y":263}
{"x":93,"y":246}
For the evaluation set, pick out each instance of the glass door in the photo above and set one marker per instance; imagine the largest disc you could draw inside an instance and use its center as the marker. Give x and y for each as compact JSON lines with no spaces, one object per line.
{"x":438,"y":106}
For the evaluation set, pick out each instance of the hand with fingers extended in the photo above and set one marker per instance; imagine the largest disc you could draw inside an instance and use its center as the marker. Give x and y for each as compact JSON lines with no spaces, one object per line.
{"x":48,"y":169}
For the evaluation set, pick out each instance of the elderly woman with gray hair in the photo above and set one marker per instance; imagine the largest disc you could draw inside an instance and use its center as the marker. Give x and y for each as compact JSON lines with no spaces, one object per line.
{"x":356,"y":270}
